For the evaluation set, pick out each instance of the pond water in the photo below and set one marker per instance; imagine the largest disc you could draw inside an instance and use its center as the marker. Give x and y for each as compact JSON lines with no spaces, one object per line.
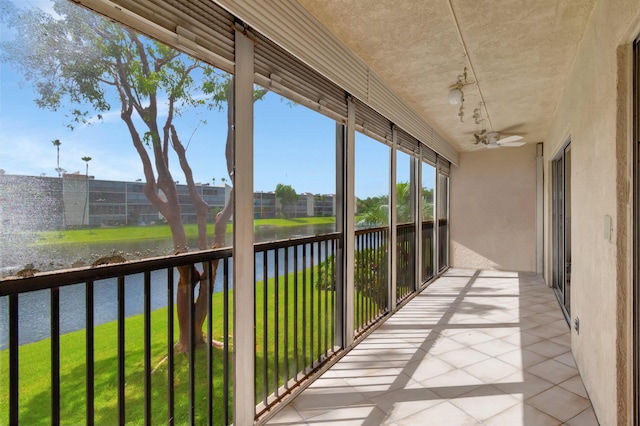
{"x":34,"y":307}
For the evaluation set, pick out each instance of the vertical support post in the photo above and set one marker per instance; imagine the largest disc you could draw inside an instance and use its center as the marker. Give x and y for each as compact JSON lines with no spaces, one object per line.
{"x":436,"y":222}
{"x":339,"y":210}
{"x":416,"y":208}
{"x":448,"y":218}
{"x":448,"y":233}
{"x":348,"y":223}
{"x":635,"y":401}
{"x":393,"y":222}
{"x":539,"y":209}
{"x":243,"y":257}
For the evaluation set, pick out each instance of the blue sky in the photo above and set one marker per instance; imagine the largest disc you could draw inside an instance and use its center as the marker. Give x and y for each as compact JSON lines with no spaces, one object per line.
{"x":293,"y":145}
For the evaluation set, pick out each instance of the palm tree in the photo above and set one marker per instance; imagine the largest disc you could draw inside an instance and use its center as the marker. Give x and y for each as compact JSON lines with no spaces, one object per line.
{"x":377,"y":215}
{"x":87,"y":159}
{"x":86,"y":198}
{"x":57,"y":143}
{"x":427,"y":204}
{"x":60,"y":170}
{"x":403,"y":202}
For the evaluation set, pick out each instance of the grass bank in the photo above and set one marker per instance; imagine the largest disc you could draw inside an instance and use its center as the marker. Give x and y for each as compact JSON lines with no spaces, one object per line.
{"x":156,"y":232}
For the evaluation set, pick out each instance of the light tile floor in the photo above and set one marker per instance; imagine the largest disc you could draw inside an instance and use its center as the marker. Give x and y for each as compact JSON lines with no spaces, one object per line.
{"x":475,"y":347}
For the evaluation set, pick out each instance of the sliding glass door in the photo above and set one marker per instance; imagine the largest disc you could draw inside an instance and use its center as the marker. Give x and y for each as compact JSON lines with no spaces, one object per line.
{"x":561,"y":170}
{"x":442,"y":207}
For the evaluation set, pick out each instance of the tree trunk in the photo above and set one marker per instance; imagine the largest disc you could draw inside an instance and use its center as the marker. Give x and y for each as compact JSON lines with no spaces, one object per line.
{"x":221,"y":221}
{"x":202,"y":210}
{"x":222,"y":218}
{"x":169,"y":208}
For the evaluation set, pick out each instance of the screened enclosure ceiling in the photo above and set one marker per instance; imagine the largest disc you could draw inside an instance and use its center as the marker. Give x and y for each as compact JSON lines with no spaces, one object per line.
{"x":402,"y":57}
{"x":520,"y":52}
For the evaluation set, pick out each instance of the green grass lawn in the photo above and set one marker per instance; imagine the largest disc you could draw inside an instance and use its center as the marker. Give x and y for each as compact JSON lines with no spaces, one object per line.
{"x":35,"y":397}
{"x":154,"y":232}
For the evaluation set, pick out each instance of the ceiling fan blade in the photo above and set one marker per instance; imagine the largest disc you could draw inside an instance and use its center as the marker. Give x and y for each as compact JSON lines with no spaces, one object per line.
{"x":509,"y":139}
{"x":512,"y":143}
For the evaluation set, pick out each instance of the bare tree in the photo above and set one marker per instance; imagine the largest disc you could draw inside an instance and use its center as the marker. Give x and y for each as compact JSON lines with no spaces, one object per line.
{"x":81,"y":59}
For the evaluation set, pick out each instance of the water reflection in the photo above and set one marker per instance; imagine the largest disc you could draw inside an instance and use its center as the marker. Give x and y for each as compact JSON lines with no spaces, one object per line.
{"x":34,"y":307}
{"x":34,"y":312}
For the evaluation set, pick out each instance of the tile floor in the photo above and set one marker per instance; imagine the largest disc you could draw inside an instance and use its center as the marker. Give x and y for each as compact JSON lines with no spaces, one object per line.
{"x":475,"y":347}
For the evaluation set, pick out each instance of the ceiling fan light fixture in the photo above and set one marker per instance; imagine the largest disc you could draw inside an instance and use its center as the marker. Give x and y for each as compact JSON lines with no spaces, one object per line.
{"x":455,"y":96}
{"x":493,"y":138}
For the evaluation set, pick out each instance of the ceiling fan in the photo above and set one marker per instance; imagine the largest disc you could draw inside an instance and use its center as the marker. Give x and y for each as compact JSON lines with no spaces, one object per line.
{"x":492,"y":140}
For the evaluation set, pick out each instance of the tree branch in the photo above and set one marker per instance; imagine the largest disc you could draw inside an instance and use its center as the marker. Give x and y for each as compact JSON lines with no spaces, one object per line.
{"x":161,"y":62}
{"x":166,"y":129}
{"x":201,"y":207}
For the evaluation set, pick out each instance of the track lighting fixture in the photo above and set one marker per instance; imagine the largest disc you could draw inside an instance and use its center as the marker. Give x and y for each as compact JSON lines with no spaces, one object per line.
{"x":456,"y":94}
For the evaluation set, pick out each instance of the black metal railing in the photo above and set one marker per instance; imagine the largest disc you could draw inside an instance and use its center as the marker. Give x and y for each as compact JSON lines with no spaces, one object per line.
{"x":295,"y":317}
{"x":428,"y":259}
{"x":371,"y":277}
{"x":406,"y":261}
{"x":129,"y":369}
{"x":129,"y":380}
{"x":443,"y":244}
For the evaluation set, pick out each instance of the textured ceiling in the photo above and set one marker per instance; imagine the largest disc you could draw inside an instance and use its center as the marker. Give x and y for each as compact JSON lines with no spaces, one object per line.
{"x":521,"y":53}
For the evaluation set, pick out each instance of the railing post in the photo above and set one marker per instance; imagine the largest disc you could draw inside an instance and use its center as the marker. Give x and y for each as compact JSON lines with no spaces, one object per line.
{"x":14,"y":362}
{"x":89,"y":345}
{"x":55,"y":356}
{"x":243,"y":256}
{"x":121,"y":351}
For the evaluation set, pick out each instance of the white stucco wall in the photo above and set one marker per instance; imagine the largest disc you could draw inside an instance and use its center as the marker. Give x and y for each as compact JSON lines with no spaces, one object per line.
{"x":594,"y":112}
{"x":493,"y":209}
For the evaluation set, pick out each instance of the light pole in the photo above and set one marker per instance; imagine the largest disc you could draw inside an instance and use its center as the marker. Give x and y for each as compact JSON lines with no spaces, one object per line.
{"x":86,"y":198}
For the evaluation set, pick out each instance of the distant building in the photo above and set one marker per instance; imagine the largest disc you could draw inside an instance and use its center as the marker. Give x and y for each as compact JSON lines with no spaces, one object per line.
{"x":120,"y":203}
{"x":264,"y":205}
{"x":303,"y":207}
{"x":74,"y":199}
{"x":30,"y":203}
{"x":40,"y":203}
{"x":324,"y":205}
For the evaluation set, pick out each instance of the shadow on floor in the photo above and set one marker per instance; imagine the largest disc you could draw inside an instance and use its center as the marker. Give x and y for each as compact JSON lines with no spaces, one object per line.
{"x":475,"y":347}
